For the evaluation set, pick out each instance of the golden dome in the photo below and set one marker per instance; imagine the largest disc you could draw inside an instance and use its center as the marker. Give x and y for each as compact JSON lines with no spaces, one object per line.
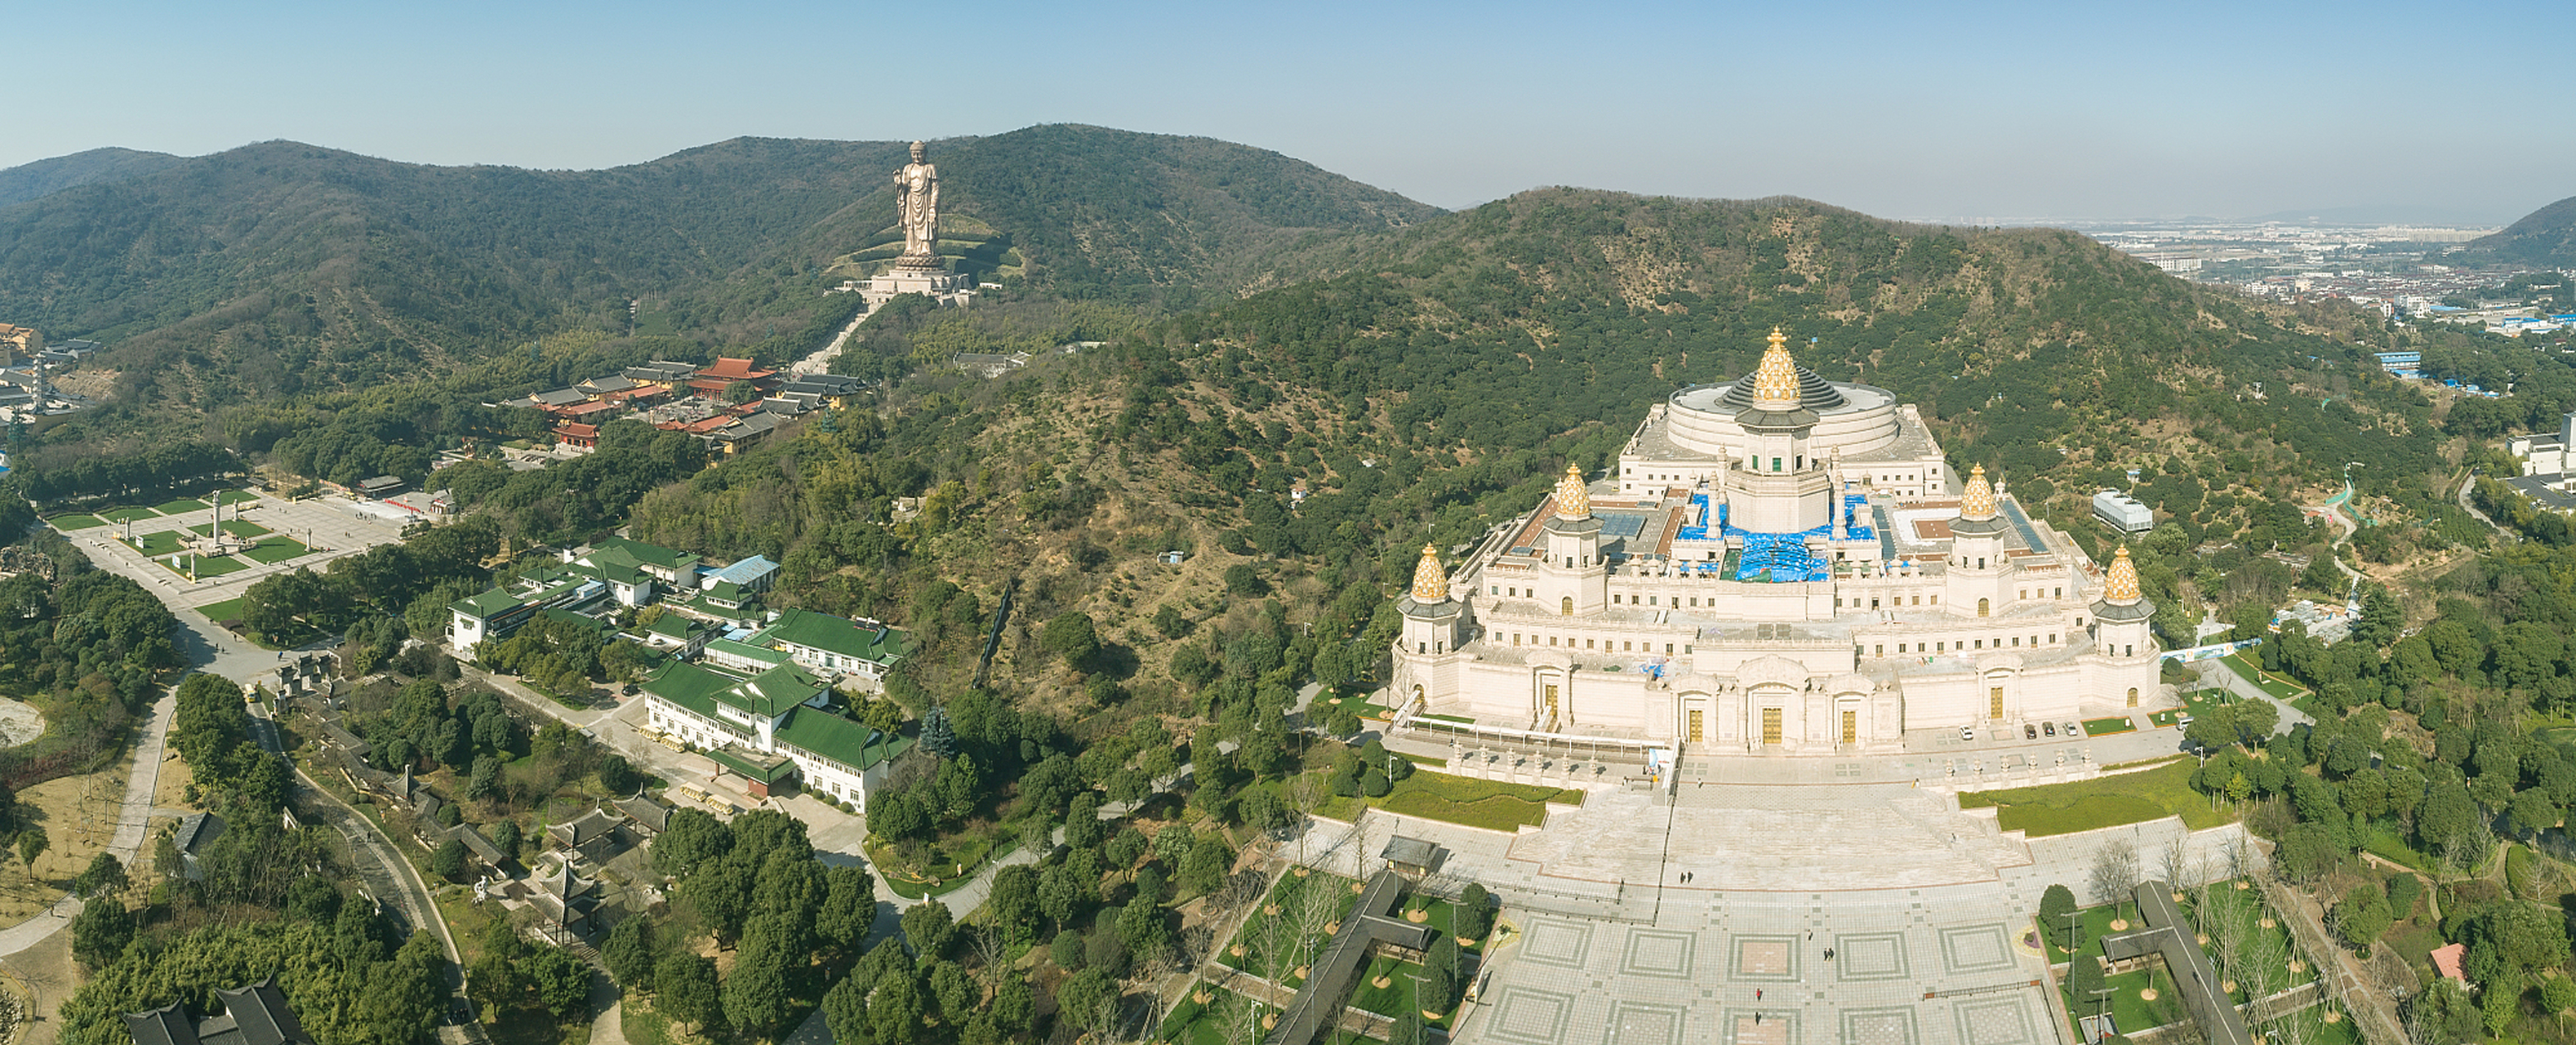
{"x":1430,"y":581}
{"x":2122,"y":584}
{"x":1979,"y":501}
{"x":1573,"y":501}
{"x":1775,"y":383}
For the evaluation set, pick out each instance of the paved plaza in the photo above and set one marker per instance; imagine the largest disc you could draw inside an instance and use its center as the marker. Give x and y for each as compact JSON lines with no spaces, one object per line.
{"x":331,"y":525}
{"x":1926,"y":909}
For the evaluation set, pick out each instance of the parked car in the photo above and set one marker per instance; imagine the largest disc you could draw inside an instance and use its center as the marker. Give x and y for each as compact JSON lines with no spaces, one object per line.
{"x":2029,"y":732}
{"x":2075,"y":730}
{"x":2185,"y":720}
{"x":2049,"y":728}
{"x":1967,"y":732}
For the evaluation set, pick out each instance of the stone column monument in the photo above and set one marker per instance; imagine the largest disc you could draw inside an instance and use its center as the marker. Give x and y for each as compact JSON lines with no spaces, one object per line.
{"x":919,"y":269}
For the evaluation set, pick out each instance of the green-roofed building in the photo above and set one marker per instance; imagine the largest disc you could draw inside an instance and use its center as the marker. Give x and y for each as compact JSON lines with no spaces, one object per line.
{"x":676,"y":568}
{"x":834,"y":645}
{"x":500,"y":611}
{"x":748,"y":723}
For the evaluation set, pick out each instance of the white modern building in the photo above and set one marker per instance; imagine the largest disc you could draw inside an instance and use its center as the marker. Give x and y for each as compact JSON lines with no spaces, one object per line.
{"x":1777,"y":566}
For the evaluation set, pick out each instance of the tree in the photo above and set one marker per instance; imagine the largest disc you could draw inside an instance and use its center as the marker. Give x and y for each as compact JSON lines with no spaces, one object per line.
{"x":685,"y":990}
{"x":2084,"y":978}
{"x":2055,"y":905}
{"x":104,"y":876}
{"x":1089,"y":999}
{"x":1070,"y":637}
{"x":756,"y":993}
{"x":101,"y":931}
{"x":1407,"y":1030}
{"x":2361,"y":915}
{"x":1203,"y":870}
{"x":2115,"y":871}
{"x":2253,"y":721}
{"x":1473,"y":917}
{"x":938,"y":738}
{"x":1440,"y":976}
{"x":928,"y":928}
{"x":2557,"y":996}
{"x":849,"y":906}
{"x":449,"y":861}
{"x":562,"y":981}
{"x":617,"y":776}
{"x":631,"y":954}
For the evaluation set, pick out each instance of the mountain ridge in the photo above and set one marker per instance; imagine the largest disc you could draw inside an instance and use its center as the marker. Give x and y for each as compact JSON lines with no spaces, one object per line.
{"x":2543,"y":237}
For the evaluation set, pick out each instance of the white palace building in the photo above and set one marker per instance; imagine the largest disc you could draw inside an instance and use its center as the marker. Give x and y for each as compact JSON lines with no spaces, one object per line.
{"x":1777,"y":566}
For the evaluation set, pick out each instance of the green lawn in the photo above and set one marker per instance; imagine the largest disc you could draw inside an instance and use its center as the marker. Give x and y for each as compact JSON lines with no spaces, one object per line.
{"x":2094,"y":727}
{"x":206,"y":566}
{"x":229,"y":609}
{"x":1191,"y":1023}
{"x":157,"y":544}
{"x":235,"y":497}
{"x":181,"y":506}
{"x":245,"y":528}
{"x":274,"y":550}
{"x":2274,"y":684}
{"x":69,"y":523}
{"x":1491,"y":804}
{"x":2108,"y":801}
{"x":118,"y":515}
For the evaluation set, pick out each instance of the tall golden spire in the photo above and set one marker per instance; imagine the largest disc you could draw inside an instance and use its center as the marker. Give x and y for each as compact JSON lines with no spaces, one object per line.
{"x":1775,"y":384}
{"x":2121,"y":586}
{"x":1573,"y":501}
{"x":1979,"y":500}
{"x":1430,"y":580}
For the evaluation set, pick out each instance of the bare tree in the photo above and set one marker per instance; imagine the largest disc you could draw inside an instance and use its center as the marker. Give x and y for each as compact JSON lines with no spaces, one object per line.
{"x":991,"y":952}
{"x":2174,"y":863}
{"x":1304,"y":792}
{"x":2115,"y":871}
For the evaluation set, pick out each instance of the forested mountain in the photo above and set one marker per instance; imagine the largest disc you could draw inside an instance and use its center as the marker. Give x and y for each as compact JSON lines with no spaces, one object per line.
{"x":2543,"y":237}
{"x":28,"y":181}
{"x":280,"y":268}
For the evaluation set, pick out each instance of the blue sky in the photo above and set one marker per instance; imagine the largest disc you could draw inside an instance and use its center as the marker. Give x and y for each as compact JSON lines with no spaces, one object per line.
{"x":1955,"y":111}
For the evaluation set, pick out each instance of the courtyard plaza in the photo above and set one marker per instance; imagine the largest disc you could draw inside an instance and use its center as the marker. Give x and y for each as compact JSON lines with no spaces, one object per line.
{"x":1925,"y":908}
{"x":331,"y":525}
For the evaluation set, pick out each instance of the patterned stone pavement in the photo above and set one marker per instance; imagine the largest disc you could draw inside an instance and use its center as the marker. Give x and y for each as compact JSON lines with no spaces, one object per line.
{"x":1924,"y":907}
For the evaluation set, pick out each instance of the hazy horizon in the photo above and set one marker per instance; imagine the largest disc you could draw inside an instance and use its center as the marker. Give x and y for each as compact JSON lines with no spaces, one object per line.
{"x":2027,"y":113}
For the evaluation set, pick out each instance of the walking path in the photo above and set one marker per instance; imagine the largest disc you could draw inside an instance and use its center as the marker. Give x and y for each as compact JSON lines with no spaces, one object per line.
{"x":2374,"y":1013}
{"x":2508,"y":536}
{"x":2227,"y":678}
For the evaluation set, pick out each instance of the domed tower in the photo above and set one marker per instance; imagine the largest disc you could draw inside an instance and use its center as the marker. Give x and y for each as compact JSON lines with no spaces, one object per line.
{"x":1573,"y":578}
{"x":2123,"y":612}
{"x":1779,"y":487}
{"x":1977,"y":562}
{"x":1426,"y":652}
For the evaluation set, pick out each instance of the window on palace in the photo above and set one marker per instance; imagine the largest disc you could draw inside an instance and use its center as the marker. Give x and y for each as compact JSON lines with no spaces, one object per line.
{"x":1614,"y":600}
{"x":1881,"y":650}
{"x":1873,"y":602}
{"x":1936,"y":600}
{"x":1516,"y":638}
{"x":2052,"y":638}
{"x":2016,"y":640}
{"x":1551,"y":640}
{"x":1918,"y":600}
{"x":1940,"y":647}
{"x":1981,"y":643}
{"x":1775,"y":464}
{"x":1668,"y":648}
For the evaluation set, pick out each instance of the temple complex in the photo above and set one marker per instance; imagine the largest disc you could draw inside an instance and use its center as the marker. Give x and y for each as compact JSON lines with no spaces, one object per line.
{"x":1778,"y":564}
